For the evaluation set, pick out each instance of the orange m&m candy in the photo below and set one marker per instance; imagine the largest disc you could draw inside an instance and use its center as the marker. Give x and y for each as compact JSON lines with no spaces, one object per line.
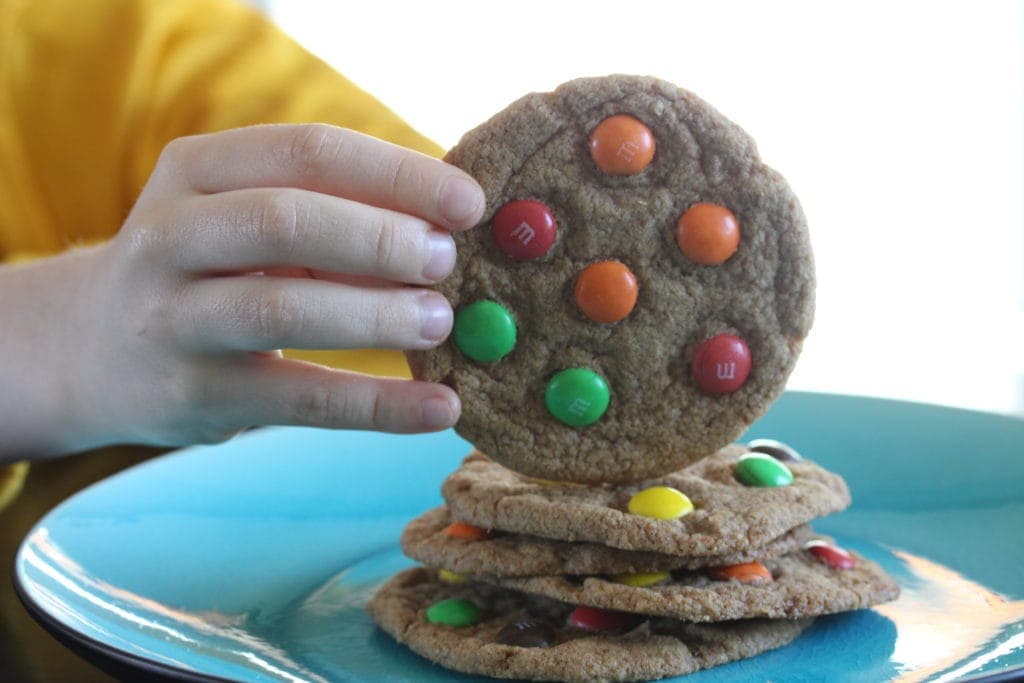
{"x":621,"y":145}
{"x":708,"y":234}
{"x":748,"y":572}
{"x":467,"y":531}
{"x":606,"y":291}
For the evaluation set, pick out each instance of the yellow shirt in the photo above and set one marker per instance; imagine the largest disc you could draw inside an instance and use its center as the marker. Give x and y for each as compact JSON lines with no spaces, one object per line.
{"x":90,"y":92}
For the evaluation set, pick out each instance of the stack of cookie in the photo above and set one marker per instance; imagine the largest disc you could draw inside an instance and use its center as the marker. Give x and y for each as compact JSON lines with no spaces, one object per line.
{"x":635,"y":298}
{"x":551,"y":581}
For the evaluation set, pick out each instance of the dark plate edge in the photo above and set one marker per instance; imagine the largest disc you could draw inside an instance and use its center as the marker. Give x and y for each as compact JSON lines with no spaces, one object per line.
{"x":124,"y":666}
{"x":1005,"y":676}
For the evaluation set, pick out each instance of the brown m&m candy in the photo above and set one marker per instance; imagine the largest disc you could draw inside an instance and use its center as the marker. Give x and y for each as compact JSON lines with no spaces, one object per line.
{"x":527,"y":633}
{"x":778,"y":450}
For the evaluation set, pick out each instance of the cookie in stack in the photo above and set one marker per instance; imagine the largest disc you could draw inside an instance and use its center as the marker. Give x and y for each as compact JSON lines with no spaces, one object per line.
{"x":636,"y":295}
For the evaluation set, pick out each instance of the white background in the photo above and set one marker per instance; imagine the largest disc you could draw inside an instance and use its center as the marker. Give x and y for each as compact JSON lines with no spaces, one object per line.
{"x":898,"y":124}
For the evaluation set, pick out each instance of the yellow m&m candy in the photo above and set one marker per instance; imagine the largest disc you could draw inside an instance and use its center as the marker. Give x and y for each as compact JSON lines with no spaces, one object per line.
{"x":641,"y":580}
{"x":660,"y":502}
{"x":450,"y":577}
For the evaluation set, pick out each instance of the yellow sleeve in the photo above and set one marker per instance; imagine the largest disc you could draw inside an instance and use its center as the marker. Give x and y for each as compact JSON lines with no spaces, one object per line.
{"x":98,"y":88}
{"x":11,"y":479}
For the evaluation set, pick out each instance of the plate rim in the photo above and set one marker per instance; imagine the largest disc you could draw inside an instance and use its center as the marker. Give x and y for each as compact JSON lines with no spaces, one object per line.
{"x":126,"y":665}
{"x":121,"y":664}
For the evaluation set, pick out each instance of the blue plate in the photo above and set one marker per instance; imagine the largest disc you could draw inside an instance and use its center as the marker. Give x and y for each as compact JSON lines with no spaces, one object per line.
{"x":253,"y":559}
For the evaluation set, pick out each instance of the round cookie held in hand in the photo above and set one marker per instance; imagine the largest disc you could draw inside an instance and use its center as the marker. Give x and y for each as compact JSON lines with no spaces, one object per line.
{"x":657,"y":279}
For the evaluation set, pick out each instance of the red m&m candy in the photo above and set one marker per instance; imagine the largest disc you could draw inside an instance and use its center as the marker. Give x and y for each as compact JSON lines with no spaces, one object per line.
{"x":595,"y":619}
{"x":721,"y":364}
{"x":524,"y":229}
{"x":830,"y":555}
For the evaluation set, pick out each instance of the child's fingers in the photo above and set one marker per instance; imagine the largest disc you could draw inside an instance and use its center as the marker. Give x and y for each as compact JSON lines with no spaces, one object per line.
{"x":289,"y":392}
{"x":331,"y":160}
{"x":253,"y":229}
{"x":257,"y":313}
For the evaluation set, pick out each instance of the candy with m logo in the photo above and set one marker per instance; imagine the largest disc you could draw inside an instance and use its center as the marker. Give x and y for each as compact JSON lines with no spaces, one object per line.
{"x":524,"y":229}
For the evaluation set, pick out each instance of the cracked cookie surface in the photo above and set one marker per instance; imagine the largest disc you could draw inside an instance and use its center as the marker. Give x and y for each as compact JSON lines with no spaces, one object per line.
{"x":507,"y":554}
{"x":653,"y":648}
{"x":727,"y":516}
{"x":801,"y":586}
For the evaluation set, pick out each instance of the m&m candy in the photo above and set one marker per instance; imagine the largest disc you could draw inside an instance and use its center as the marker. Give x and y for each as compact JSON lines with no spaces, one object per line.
{"x":778,"y":450}
{"x":830,"y":555}
{"x":450,"y":577}
{"x":642,"y":579}
{"x":485,"y":331}
{"x":577,"y":396}
{"x":466,"y":531}
{"x":660,"y":502}
{"x":621,"y":145}
{"x":747,"y":572}
{"x":453,"y":612}
{"x":606,"y":292}
{"x":758,"y":469}
{"x":708,"y":234}
{"x":721,"y":364}
{"x":527,"y":633}
{"x":596,"y":619}
{"x":524,"y":229}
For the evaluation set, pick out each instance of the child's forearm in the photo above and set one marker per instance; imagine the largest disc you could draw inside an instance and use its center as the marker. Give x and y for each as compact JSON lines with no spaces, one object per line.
{"x":41,"y":398}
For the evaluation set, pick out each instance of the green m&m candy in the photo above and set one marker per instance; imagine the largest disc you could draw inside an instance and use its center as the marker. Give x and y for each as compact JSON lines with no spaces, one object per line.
{"x":758,"y":469}
{"x":485,"y":331}
{"x":577,"y":396}
{"x":453,"y":612}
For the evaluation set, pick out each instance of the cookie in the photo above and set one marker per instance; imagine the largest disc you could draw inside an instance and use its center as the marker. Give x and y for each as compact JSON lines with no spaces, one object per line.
{"x":510,"y":635}
{"x":503,"y":554}
{"x":638,"y":288}
{"x":787,"y":587}
{"x":724,"y":516}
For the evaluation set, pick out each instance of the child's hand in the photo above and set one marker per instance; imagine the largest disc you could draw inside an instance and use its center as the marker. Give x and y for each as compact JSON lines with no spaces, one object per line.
{"x":252,"y":240}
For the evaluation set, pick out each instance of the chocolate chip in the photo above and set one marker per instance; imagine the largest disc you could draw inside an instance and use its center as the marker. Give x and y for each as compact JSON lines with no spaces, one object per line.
{"x":529,"y":633}
{"x":776,"y":449}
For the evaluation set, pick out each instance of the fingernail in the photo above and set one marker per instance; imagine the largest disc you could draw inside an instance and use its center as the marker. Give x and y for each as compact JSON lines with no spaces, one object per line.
{"x":442,"y":256}
{"x":436,"y":317}
{"x":461,"y":201}
{"x":437,"y":413}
